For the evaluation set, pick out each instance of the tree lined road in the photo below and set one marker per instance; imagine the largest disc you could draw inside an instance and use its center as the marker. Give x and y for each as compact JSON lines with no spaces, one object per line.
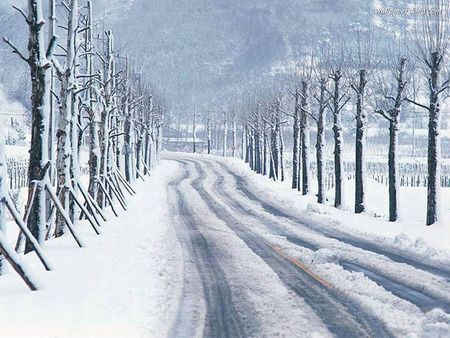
{"x":211,"y":304}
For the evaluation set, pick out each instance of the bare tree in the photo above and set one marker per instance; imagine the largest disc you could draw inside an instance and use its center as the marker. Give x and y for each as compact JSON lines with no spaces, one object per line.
{"x":225,"y":133}
{"x":38,"y":59}
{"x":321,"y":96}
{"x":390,"y":108}
{"x":194,"y":131}
{"x":337,"y":65}
{"x":432,"y":40}
{"x":68,"y":112}
{"x":305,"y":136}
{"x":364,"y":67}
{"x":296,"y":137}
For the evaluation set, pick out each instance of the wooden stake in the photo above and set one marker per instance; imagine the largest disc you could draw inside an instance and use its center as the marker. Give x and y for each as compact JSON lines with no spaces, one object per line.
{"x":89,"y":199}
{"x":146,"y":167}
{"x":87,"y":213}
{"x":26,"y":232}
{"x":139,"y":174}
{"x":107,"y":197}
{"x":63,"y":214}
{"x":125,"y":183}
{"x":13,"y":258}
{"x":113,"y":189}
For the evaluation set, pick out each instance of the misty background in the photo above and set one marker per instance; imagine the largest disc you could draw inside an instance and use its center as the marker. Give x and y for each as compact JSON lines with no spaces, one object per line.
{"x":209,"y":53}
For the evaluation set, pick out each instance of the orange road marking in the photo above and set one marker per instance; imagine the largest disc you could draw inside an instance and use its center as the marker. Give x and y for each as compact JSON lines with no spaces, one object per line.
{"x":304,"y":268}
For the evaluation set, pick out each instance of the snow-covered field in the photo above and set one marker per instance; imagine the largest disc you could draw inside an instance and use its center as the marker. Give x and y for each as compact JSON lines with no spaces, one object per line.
{"x":123,"y":283}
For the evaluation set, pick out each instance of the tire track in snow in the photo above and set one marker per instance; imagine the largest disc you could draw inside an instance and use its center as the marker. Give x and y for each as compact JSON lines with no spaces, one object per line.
{"x":433,"y":297}
{"x":348,"y":239}
{"x":221,"y":319}
{"x":415,"y":295}
{"x":340,"y":316}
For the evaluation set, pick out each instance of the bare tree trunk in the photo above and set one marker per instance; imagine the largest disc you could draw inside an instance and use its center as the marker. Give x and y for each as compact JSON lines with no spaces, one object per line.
{"x":247,"y":144}
{"x":281,"y":154}
{"x":74,"y":113}
{"x":264,"y":164}
{"x":338,"y":141}
{"x":233,"y":132}
{"x":39,"y":61}
{"x":93,"y":113}
{"x":392,"y":115}
{"x":393,"y":171}
{"x":225,"y":134}
{"x":434,"y":144}
{"x":208,"y":134}
{"x":296,"y":140}
{"x":252,"y":149}
{"x":194,"y":125}
{"x":305,"y":139}
{"x":320,"y":144}
{"x":242,"y":142}
{"x":108,"y":69}
{"x":127,"y":125}
{"x":275,"y":155}
{"x":360,"y":163}
{"x":257,"y":137}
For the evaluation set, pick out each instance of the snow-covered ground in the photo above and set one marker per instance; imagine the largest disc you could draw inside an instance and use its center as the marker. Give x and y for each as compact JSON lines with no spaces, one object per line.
{"x":123,"y":283}
{"x":134,"y":278}
{"x":401,"y":317}
{"x":409,"y":230}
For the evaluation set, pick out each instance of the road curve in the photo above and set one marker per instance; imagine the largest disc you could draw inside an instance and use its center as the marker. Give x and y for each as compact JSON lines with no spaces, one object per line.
{"x":416,"y":295}
{"x":220,"y":318}
{"x":340,"y":315}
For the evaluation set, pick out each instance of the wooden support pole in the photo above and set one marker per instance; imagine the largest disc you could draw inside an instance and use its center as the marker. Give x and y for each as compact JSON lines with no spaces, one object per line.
{"x":37,"y":248}
{"x":146,"y":167}
{"x":64,"y":215}
{"x":99,"y":182}
{"x":87,"y":213}
{"x":91,"y":202}
{"x":125,"y":183}
{"x":115,"y":185}
{"x":139,"y":174}
{"x":113,"y":189}
{"x":14,"y":259}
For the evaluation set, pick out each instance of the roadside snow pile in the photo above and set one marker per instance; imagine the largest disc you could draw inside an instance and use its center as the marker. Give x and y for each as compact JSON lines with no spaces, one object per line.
{"x":401,"y":317}
{"x":123,"y":283}
{"x":323,"y":256}
{"x":436,"y":324}
{"x":408,"y":237}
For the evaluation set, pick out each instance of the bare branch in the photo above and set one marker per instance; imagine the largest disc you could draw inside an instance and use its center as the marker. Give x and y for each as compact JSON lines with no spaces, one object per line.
{"x":16,"y":50}
{"x":417,"y":104}
{"x":51,"y":47}
{"x":384,"y":114}
{"x":22,"y":13}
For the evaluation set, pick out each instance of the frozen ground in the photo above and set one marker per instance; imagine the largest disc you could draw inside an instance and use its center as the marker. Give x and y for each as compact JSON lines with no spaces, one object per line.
{"x":208,"y":247}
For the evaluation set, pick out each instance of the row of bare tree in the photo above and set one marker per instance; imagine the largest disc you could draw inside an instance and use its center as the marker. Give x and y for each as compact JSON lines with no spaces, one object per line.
{"x":83,"y":93}
{"x":365,"y":81}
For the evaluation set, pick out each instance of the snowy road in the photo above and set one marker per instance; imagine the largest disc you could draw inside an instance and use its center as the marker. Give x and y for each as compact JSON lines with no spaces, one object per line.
{"x":230,"y":237}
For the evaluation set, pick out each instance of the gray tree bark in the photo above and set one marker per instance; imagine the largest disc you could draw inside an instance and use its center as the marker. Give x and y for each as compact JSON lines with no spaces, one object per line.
{"x":296,"y":140}
{"x":360,"y":163}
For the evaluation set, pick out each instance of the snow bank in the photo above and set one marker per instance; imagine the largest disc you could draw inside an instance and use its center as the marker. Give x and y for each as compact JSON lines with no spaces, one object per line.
{"x":124,"y":283}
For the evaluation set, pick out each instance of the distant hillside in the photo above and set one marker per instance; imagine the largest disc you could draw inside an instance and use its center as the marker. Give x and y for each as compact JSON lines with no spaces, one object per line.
{"x":204,"y":52}
{"x":209,"y":50}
